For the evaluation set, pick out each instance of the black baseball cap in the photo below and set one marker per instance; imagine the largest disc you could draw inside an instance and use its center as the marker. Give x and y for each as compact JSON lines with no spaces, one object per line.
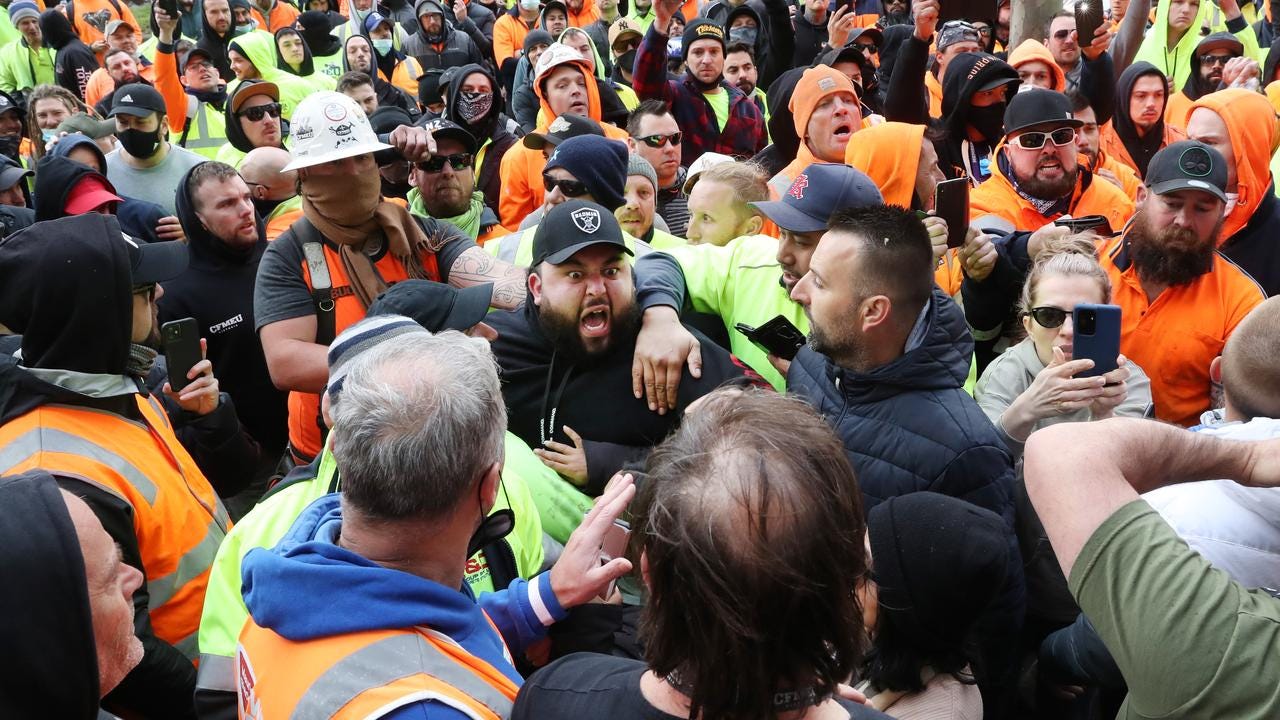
{"x":8,"y":104}
{"x":1038,"y":107}
{"x":195,"y":52}
{"x":562,"y":128}
{"x":138,"y":100}
{"x":444,"y":128}
{"x":155,"y":262}
{"x":818,"y":191}
{"x":1220,"y":40}
{"x":1188,"y":165}
{"x":436,"y":306}
{"x":571,"y":226}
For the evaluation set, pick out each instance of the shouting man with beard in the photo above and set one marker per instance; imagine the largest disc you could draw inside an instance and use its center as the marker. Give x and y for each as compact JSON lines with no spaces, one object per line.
{"x":566,"y":355}
{"x":1181,"y":300}
{"x":1036,"y":178}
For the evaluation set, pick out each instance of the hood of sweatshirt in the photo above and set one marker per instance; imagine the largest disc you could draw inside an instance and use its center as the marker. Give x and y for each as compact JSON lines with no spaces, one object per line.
{"x":1251,"y":125}
{"x":258,"y":48}
{"x":1141,"y":149}
{"x":1175,"y":63}
{"x":889,"y":154}
{"x":75,"y":140}
{"x":566,"y":58}
{"x":56,"y":29}
{"x":309,"y":587}
{"x":39,"y":551}
{"x":216,"y":45}
{"x":483,"y":127}
{"x":745,"y":10}
{"x":1194,"y":87}
{"x":966,"y":75}
{"x":1034,"y":50}
{"x":206,"y":249}
{"x":55,"y":177}
{"x":235,"y":133}
{"x":66,"y":287}
{"x":815,"y":85}
{"x":308,"y":66}
{"x":422,"y":7}
{"x":595,"y":52}
{"x":1272,"y":64}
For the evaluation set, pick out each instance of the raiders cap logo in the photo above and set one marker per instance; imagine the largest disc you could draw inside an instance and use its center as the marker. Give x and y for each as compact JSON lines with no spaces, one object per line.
{"x":587,"y":219}
{"x":558,"y":125}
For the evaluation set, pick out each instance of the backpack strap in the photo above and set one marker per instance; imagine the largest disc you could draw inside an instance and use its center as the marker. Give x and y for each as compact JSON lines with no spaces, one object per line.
{"x":321,"y":281}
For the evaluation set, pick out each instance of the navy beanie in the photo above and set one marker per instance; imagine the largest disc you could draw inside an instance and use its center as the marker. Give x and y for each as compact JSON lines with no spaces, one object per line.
{"x":597,"y":162}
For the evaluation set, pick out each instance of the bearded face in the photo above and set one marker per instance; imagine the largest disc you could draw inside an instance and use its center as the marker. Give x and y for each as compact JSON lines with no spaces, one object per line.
{"x":1170,"y":254}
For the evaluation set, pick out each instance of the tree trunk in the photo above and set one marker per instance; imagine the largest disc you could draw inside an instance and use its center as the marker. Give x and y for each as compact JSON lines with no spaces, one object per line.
{"x":1029,"y":18}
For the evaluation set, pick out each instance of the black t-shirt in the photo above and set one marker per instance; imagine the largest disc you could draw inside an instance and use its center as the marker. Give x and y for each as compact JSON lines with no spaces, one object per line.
{"x":602,"y":686}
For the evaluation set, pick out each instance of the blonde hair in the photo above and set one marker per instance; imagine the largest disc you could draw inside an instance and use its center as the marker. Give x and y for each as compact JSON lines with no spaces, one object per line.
{"x":50,"y":92}
{"x":747,"y":180}
{"x":1070,"y":256}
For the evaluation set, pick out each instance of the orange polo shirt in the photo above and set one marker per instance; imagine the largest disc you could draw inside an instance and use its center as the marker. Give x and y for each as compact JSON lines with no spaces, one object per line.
{"x":1176,"y":336}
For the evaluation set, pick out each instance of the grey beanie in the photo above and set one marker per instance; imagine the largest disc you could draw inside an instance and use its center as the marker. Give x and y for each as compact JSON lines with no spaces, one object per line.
{"x":637,"y":165}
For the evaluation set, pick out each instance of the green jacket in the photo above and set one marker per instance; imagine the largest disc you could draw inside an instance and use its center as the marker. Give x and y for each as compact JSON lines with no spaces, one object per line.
{"x":260,"y":49}
{"x":740,"y":282}
{"x":22,"y":68}
{"x":206,"y":130}
{"x":224,"y":610}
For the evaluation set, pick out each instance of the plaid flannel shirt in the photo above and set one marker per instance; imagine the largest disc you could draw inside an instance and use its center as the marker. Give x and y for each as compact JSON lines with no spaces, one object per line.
{"x":744,"y":133}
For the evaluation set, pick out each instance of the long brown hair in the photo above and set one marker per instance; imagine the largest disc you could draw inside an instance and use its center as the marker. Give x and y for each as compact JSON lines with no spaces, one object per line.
{"x":50,"y":92}
{"x":751,"y":524}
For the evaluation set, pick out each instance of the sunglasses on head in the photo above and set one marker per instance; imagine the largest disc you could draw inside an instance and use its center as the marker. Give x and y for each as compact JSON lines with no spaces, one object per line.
{"x":1036,"y":140}
{"x":659,"y":140}
{"x":1048,"y":317}
{"x":568,"y":188}
{"x":256,"y":112}
{"x":1062,"y":35}
{"x":1212,"y":60}
{"x":457,"y":161}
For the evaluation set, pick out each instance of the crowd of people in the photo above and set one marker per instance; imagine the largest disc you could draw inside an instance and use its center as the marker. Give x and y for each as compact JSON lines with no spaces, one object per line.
{"x":609,"y":359}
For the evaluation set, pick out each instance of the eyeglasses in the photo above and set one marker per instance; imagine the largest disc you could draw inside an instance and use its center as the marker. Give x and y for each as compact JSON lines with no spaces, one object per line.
{"x":1048,"y":317}
{"x":457,"y":161}
{"x":1036,"y":140}
{"x":197,"y":65}
{"x":148,"y":290}
{"x":1062,"y":35}
{"x":1212,"y":60}
{"x":256,"y":112}
{"x":568,"y":188}
{"x":660,"y":140}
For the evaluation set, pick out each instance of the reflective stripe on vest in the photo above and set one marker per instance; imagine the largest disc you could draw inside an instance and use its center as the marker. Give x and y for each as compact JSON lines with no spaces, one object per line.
{"x":177,"y":517}
{"x":386,"y":661}
{"x":216,"y":672}
{"x":201,"y":137}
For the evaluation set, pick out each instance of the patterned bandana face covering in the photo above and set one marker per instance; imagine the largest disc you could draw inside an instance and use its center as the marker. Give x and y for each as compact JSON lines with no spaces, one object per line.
{"x":474,"y":105}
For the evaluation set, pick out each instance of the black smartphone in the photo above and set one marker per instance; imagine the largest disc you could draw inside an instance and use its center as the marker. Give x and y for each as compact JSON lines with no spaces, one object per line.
{"x":1089,"y":223}
{"x":963,"y":10}
{"x":170,"y":7}
{"x":1089,"y":17}
{"x":1096,"y":336}
{"x":951,"y":203}
{"x":181,"y":340}
{"x":776,"y":337}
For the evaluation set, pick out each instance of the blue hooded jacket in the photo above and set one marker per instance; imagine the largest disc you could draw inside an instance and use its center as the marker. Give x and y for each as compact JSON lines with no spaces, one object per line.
{"x":291,"y":591}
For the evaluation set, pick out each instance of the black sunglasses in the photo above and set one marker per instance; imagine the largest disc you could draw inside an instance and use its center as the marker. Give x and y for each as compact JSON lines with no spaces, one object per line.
{"x":1212,"y":60}
{"x":1062,"y":35}
{"x":657,"y":141}
{"x":1048,"y":317}
{"x":868,"y":47}
{"x":256,"y":112}
{"x":569,"y":188}
{"x":1036,"y":140}
{"x":457,"y":161}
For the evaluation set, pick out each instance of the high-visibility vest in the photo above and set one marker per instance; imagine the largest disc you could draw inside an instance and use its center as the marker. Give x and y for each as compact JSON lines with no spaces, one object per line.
{"x":337,"y":308}
{"x":206,"y":129}
{"x":177,"y":517}
{"x":364,"y":675}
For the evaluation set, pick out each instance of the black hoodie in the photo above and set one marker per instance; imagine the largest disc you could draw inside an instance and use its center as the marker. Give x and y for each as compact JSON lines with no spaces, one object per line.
{"x":74,"y":62}
{"x":1141,"y":149}
{"x":1195,"y":88}
{"x":216,"y":45}
{"x":235,"y":133}
{"x":52,"y":670}
{"x":308,"y":65}
{"x":317,"y":32}
{"x":775,"y":40}
{"x":217,"y":290}
{"x":1273,"y":63}
{"x":782,"y":127}
{"x":58,"y":174}
{"x":492,"y":127}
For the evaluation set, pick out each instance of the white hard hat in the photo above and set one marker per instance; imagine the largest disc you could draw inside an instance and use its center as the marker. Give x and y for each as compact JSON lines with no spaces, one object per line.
{"x":555,"y":55}
{"x":329,"y":126}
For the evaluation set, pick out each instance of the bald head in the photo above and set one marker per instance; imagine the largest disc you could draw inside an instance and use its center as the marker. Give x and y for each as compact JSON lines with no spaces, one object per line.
{"x":263,"y":170}
{"x":1250,"y":375}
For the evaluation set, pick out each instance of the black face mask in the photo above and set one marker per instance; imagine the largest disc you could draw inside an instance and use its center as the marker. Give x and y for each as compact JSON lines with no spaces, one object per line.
{"x":989,"y":121}
{"x":627,"y":60}
{"x":9,"y":146}
{"x":745,"y":35}
{"x":139,"y":143}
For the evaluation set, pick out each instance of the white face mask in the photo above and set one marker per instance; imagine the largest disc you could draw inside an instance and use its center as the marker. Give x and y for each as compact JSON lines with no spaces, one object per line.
{"x":382,"y":46}
{"x":1232,"y":199}
{"x":529,"y":4}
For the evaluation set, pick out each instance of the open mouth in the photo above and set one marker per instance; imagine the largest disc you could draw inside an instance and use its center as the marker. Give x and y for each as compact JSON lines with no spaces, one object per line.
{"x":843,"y":132}
{"x":595,"y":321}
{"x":579,"y":108}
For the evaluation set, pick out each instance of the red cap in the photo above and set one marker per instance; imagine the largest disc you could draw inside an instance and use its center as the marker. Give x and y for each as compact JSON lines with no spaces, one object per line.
{"x":88,"y":194}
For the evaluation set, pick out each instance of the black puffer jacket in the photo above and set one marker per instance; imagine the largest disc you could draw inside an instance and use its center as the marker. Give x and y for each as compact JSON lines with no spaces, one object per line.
{"x":451,"y":49}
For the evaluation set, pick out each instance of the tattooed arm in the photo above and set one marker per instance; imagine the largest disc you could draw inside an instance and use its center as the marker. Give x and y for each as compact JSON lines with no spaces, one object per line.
{"x":475,"y":266}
